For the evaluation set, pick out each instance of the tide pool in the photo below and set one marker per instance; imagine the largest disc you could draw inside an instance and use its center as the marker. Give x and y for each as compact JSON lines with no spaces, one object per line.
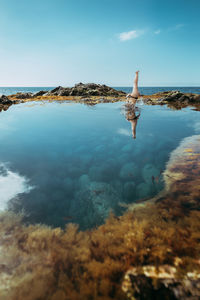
{"x":67,"y":162}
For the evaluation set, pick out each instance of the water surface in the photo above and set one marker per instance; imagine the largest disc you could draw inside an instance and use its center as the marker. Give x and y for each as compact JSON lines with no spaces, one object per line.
{"x":68,"y":162}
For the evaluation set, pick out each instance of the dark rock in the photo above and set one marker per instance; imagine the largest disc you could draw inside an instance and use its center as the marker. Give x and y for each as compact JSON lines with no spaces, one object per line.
{"x":196,"y":98}
{"x":87,"y":90}
{"x":174,"y":96}
{"x":24,"y":95}
{"x":65,"y":92}
{"x":56,"y":89}
{"x":40,"y":93}
{"x":56,"y":92}
{"x":4,"y":100}
{"x":183,"y":98}
{"x":149,"y":283}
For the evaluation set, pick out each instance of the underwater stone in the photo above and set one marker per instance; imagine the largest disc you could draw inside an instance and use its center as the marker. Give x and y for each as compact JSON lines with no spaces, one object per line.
{"x":68,"y":184}
{"x":100,"y":148}
{"x":94,"y":173}
{"x":127,"y":148}
{"x":95,"y":203}
{"x":148,"y":172}
{"x":143,"y":190}
{"x":74,"y":171}
{"x":58,"y":195}
{"x":129,"y":190}
{"x":139,"y":284}
{"x":84,"y":181}
{"x":161,"y":158}
{"x":118,"y":186}
{"x":116,"y":140}
{"x":105,"y":172}
{"x":128,"y":171}
{"x":123,"y":158}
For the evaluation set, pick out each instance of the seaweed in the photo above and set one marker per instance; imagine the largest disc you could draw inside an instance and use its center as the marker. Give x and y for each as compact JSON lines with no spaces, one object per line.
{"x":39,"y":262}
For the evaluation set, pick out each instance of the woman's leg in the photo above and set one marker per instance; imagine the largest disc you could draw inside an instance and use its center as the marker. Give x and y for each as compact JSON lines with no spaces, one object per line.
{"x":135,"y":92}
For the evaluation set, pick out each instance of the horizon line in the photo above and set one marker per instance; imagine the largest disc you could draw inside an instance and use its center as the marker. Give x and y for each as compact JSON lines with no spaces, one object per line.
{"x":124,"y":86}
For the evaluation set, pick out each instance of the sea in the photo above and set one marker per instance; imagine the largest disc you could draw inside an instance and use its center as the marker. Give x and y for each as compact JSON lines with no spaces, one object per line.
{"x":143,"y":90}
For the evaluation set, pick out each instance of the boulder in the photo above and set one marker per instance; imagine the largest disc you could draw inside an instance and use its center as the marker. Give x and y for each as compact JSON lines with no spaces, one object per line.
{"x":196,"y":98}
{"x":150,"y":282}
{"x":174,"y":98}
{"x":149,"y":172}
{"x":24,"y":95}
{"x":56,"y":90}
{"x":4,"y":100}
{"x":129,"y":171}
{"x":40,"y":93}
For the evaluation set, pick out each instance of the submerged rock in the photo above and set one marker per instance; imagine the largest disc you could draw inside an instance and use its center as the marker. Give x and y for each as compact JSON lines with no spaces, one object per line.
{"x":182,"y":172}
{"x":149,"y":172}
{"x":149,"y":283}
{"x":128,"y":171}
{"x":129,"y":190}
{"x":144,"y":190}
{"x":94,"y":200}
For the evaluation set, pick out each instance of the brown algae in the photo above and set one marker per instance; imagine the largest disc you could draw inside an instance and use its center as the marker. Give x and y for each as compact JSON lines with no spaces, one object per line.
{"x":153,"y":241}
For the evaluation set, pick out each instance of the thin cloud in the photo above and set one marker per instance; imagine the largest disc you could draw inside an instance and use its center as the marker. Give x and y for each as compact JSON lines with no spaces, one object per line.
{"x":157,"y":31}
{"x":176,"y":27}
{"x":179,"y":26}
{"x":129,"y":35}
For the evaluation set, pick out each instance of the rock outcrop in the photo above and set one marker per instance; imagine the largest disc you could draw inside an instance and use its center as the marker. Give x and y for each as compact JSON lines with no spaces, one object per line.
{"x":23,"y":95}
{"x":86,"y":90}
{"x":4,"y":100}
{"x":92,"y":94}
{"x":80,"y":91}
{"x":5,"y":103}
{"x":174,"y":98}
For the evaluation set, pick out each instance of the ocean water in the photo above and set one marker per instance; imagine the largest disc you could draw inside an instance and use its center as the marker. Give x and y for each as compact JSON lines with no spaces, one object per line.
{"x":68,"y":162}
{"x":143,"y":90}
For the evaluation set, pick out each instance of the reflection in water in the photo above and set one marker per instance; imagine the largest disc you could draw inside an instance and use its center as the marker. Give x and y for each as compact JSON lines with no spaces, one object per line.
{"x":132,"y":115}
{"x":11,"y":185}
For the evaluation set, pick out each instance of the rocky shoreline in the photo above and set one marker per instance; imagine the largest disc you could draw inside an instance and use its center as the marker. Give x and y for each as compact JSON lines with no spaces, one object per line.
{"x":92,"y":94}
{"x":173,"y":98}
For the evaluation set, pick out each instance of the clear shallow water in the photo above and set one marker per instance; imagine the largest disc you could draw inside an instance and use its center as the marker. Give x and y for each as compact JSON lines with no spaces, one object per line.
{"x":67,"y":162}
{"x":143,"y":90}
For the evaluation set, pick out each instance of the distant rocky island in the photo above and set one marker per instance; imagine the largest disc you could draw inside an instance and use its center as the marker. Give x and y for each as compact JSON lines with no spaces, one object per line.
{"x":92,"y":93}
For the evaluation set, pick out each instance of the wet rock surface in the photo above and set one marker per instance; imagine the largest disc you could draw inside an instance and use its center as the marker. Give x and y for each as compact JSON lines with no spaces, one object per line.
{"x":173,"y":98}
{"x":150,"y":282}
{"x":23,"y":95}
{"x":5,"y":103}
{"x":4,"y":100}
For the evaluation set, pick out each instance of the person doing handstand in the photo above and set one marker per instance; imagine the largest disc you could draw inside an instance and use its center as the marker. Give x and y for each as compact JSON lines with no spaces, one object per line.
{"x":135,"y":93}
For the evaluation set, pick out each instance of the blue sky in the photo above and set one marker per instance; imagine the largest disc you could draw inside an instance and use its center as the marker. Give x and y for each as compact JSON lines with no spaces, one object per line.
{"x":62,"y":42}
